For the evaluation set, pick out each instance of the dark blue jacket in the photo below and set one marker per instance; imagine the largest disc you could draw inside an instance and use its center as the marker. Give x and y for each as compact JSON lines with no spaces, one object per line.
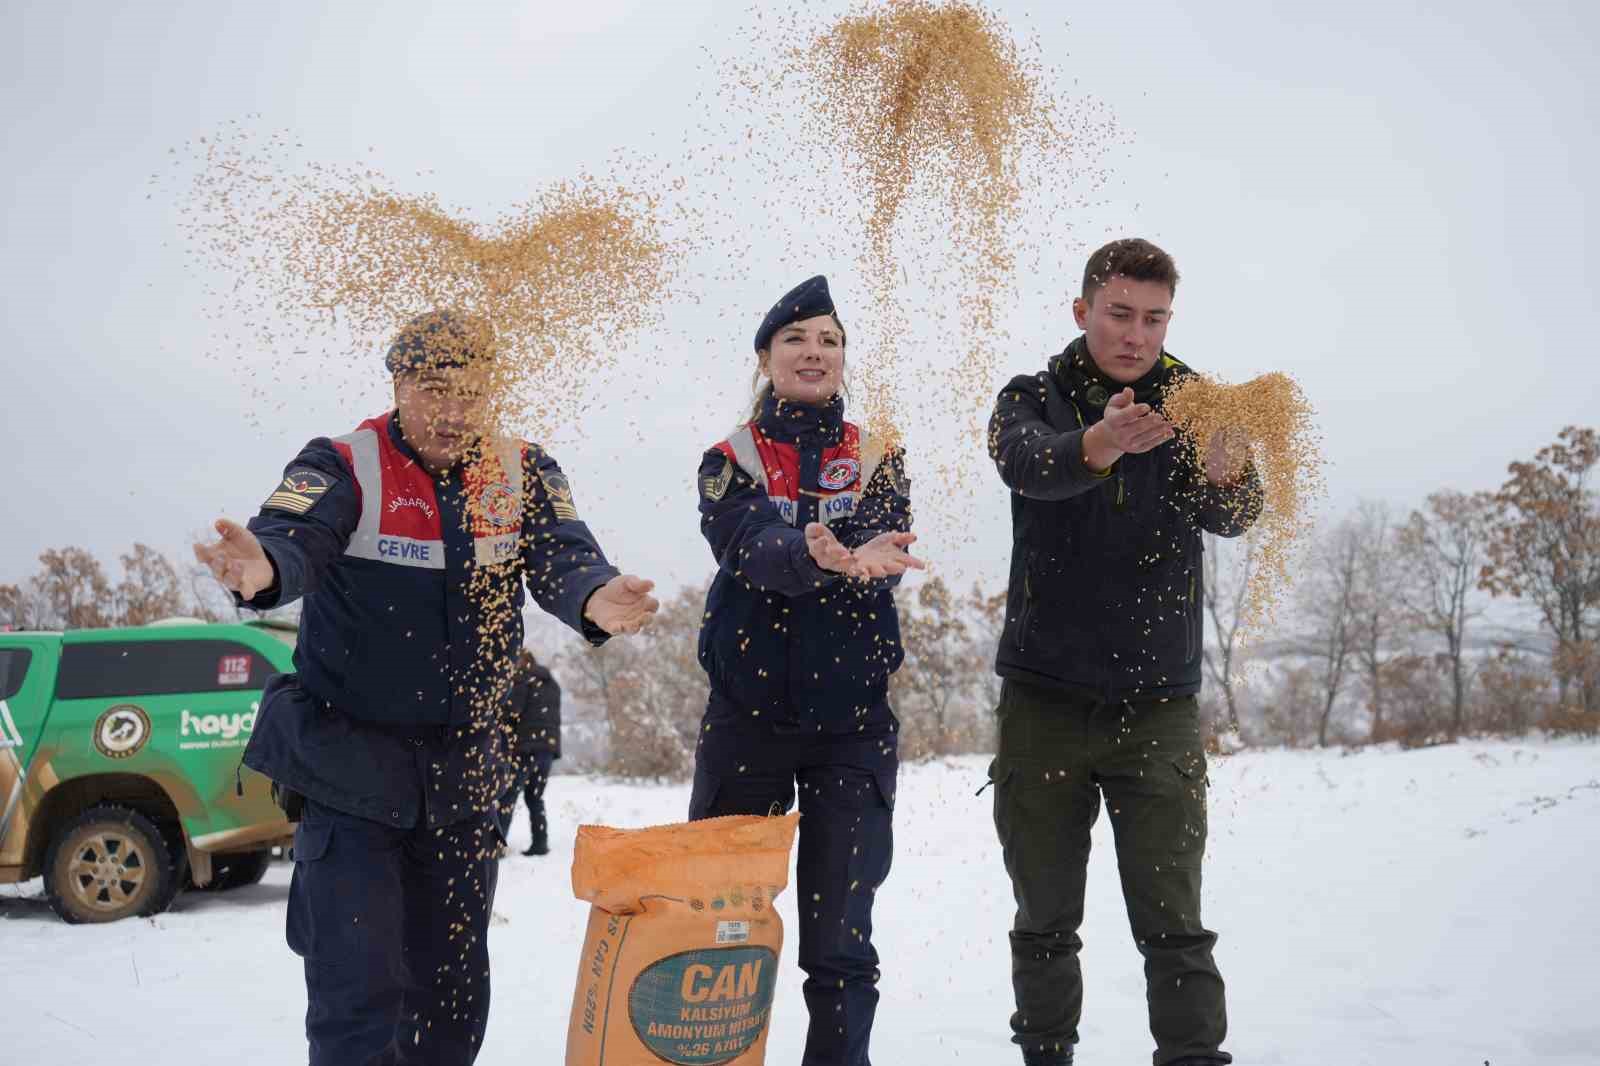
{"x":413,"y":591}
{"x":802,"y":645}
{"x":1107,"y":592}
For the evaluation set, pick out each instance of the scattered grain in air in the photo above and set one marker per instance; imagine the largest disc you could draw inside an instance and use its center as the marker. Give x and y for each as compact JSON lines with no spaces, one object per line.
{"x":311,"y":269}
{"x":935,"y":141}
{"x":1276,"y":432}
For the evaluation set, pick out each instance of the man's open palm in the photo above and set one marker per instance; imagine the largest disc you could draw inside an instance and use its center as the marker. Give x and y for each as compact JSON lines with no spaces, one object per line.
{"x":1134,"y":428}
{"x":622,"y":605}
{"x":237,"y":559}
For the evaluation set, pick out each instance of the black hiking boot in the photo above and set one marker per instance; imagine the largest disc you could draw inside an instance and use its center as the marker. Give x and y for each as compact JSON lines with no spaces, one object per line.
{"x":1047,"y":1056}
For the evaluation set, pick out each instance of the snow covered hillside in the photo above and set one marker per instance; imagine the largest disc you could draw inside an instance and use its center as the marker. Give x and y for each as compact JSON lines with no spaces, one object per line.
{"x":1429,"y":907}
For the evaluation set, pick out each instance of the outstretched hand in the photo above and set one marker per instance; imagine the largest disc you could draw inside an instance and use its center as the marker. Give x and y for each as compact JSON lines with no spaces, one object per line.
{"x":885,"y":556}
{"x":622,"y":605}
{"x":826,"y":550}
{"x":1226,"y":455}
{"x":1128,"y":428}
{"x":237,"y":559}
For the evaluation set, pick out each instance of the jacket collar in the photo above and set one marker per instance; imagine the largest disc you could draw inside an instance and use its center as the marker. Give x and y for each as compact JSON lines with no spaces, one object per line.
{"x":1075,"y":372}
{"x":397,"y":437}
{"x":790,"y":422}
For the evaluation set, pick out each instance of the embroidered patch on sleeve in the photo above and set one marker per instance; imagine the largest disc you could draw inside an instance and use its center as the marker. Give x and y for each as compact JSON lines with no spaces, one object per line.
{"x":559,"y":490}
{"x":714,"y":488}
{"x":299,"y":491}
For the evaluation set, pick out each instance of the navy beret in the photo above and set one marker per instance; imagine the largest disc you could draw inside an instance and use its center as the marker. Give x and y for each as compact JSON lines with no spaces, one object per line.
{"x":806,"y":300}
{"x":439,"y":340}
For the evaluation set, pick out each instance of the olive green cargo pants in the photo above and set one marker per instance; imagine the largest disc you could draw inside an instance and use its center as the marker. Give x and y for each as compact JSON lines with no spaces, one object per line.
{"x":1059,"y":754}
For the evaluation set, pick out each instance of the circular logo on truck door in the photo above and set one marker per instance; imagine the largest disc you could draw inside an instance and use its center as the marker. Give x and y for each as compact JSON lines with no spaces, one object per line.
{"x":121,"y":731}
{"x":705,"y":1007}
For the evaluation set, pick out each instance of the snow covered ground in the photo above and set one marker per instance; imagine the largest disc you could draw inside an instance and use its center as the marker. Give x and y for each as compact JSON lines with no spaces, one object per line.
{"x":1430,"y":907}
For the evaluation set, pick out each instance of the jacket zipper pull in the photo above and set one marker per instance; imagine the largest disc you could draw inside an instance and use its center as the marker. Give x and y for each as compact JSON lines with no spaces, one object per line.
{"x":238,"y":777}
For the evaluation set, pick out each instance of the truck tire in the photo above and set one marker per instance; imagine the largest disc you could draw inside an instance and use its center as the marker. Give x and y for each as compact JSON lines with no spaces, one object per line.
{"x":238,"y":871}
{"x":110,"y":863}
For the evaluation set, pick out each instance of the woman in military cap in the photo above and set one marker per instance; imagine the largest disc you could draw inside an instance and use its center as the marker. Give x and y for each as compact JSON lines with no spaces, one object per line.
{"x":809,"y":520}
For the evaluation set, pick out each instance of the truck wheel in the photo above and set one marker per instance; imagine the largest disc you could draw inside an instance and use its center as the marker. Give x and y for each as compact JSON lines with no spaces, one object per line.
{"x":110,"y":863}
{"x":238,"y":871}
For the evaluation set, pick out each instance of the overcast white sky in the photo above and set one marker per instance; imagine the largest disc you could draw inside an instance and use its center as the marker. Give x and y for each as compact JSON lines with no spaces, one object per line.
{"x":1392,"y":205}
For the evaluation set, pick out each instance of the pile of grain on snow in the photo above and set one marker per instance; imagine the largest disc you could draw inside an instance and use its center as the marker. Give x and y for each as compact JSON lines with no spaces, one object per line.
{"x":1271,"y":420}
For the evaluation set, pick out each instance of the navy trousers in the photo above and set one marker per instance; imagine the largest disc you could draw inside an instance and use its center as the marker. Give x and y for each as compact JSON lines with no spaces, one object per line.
{"x":392,"y":925}
{"x":846,"y":790}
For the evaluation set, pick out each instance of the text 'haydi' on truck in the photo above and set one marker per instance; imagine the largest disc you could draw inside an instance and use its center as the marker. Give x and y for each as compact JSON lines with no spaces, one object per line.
{"x":120,"y":781}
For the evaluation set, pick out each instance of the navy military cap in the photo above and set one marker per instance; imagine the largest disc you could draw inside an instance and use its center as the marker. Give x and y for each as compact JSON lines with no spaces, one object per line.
{"x":808,"y":299}
{"x":439,"y":340}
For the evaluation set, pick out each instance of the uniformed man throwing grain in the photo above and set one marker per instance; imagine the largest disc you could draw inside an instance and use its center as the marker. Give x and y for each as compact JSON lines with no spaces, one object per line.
{"x":1101,"y":656}
{"x":410,"y":540}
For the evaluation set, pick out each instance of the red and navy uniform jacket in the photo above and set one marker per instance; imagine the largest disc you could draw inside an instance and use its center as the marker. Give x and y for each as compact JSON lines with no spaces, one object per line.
{"x":782,"y":636}
{"x":413,"y":589}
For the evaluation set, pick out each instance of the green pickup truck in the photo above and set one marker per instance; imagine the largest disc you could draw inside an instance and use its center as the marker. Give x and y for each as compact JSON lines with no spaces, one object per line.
{"x":120,"y":781}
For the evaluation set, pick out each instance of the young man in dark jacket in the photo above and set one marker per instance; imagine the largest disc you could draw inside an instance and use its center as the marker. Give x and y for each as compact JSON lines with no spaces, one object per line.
{"x":533,"y":714}
{"x":1101,"y":659}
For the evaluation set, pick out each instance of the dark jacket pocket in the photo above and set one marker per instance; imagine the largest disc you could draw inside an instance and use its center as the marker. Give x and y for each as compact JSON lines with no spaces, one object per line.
{"x":1025,"y":614}
{"x":1194,"y":621}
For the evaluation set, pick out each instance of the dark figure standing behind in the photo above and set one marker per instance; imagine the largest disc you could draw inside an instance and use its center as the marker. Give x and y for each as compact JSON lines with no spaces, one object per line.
{"x":533,"y":714}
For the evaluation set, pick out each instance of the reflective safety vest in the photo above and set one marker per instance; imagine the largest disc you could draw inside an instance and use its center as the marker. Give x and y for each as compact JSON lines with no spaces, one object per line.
{"x":847,"y":469}
{"x":781,"y":637}
{"x":400,"y":512}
